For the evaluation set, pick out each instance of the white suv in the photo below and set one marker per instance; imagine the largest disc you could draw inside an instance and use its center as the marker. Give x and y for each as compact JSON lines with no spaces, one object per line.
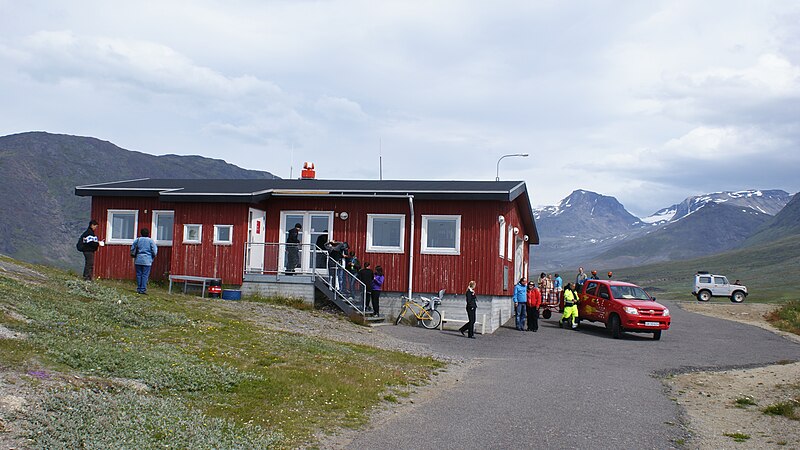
{"x":708,"y":285}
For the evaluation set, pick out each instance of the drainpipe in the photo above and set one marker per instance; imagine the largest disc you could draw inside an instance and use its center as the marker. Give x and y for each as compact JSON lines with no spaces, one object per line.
{"x":411,"y":247}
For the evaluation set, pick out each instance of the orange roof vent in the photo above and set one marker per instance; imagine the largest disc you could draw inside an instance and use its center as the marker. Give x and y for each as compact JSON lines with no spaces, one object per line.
{"x":308,"y":172}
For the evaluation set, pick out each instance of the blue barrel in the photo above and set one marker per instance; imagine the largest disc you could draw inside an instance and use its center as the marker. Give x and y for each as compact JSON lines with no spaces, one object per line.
{"x":231,"y":294}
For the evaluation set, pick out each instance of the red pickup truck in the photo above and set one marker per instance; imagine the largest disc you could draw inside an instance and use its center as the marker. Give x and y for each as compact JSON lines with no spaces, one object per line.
{"x":622,"y":307}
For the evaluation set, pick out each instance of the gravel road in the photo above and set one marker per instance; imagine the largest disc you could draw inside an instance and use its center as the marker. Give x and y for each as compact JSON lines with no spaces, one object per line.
{"x":565,"y":389}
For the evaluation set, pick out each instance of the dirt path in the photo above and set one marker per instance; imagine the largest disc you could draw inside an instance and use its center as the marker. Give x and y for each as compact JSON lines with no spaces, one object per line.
{"x":717,"y":404}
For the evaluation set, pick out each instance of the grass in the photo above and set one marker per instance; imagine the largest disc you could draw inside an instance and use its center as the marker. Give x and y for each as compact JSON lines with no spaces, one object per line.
{"x":787,"y":317}
{"x":744,"y":401}
{"x":738,"y":437}
{"x":203,"y":369}
{"x":785,"y":409}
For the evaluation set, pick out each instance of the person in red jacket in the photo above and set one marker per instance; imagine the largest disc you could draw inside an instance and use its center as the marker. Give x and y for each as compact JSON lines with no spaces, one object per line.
{"x":534,"y":302}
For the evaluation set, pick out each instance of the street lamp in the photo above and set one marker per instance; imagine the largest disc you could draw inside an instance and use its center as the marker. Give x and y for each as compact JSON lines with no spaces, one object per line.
{"x":523,"y":155}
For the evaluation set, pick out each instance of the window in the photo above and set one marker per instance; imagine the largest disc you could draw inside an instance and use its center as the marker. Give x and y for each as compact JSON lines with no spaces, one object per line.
{"x":502,"y":221}
{"x":121,"y":226}
{"x":223,"y":234}
{"x":192,"y":233}
{"x":441,"y":235}
{"x":162,"y":227}
{"x":510,"y":242}
{"x":386,"y":233}
{"x":720,"y":280}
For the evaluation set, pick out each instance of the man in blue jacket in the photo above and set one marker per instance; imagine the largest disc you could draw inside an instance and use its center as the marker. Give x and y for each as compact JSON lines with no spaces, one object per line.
{"x":144,"y":250}
{"x":521,"y":303}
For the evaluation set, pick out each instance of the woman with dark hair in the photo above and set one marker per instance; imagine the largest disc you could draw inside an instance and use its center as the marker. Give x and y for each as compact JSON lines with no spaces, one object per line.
{"x":377,"y":286}
{"x":143,"y":250}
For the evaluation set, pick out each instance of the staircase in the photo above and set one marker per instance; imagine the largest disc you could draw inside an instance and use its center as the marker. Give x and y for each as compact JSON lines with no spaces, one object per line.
{"x":354,"y":307}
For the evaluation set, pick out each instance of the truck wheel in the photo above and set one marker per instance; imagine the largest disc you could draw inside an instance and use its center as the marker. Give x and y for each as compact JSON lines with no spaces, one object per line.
{"x":546,"y":314}
{"x":614,"y":327}
{"x":656,"y":335}
{"x":704,"y":295}
{"x":737,"y":297}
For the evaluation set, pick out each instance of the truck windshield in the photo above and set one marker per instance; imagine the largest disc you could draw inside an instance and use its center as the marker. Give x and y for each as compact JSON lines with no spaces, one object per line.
{"x":629,"y":293}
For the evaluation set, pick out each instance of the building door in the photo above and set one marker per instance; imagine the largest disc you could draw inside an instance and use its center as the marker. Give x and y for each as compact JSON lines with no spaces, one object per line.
{"x":519,"y":254}
{"x":317,"y":230}
{"x":256,"y":238}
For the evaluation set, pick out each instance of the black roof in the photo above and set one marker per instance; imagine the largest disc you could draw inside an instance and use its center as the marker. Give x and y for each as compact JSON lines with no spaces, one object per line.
{"x":257,"y":190}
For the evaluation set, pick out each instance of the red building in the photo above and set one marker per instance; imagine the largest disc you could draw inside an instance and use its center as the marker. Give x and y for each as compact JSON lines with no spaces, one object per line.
{"x":427,"y":235}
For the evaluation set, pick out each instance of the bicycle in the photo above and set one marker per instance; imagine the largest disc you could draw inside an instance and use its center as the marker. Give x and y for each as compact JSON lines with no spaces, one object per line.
{"x":426,"y":314}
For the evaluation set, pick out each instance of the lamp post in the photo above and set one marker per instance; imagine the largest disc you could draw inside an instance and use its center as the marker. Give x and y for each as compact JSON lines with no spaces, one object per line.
{"x":523,"y":155}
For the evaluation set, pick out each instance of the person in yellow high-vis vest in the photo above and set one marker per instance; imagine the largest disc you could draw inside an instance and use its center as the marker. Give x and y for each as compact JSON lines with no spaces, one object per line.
{"x":570,"y":307}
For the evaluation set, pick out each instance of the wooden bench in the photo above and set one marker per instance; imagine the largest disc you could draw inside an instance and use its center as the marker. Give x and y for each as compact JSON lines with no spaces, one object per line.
{"x":189,"y":280}
{"x":481,"y":323}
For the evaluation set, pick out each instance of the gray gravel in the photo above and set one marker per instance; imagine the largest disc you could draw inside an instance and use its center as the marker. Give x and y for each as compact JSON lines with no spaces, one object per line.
{"x":564,"y":389}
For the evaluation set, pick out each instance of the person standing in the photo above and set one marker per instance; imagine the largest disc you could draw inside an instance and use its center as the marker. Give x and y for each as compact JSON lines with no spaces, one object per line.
{"x":366,"y":276}
{"x":144,"y":251}
{"x":293,"y":249}
{"x":558,"y":286}
{"x":534,"y":302}
{"x":472,"y":306}
{"x":377,"y":286}
{"x":570,"y":315}
{"x":594,"y":275}
{"x":521,"y":303}
{"x":88,"y":244}
{"x":353,"y":265}
{"x":581,"y":277}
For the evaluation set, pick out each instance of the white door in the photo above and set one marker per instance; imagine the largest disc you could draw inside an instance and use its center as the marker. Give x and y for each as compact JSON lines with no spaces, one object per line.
{"x":317,"y":229}
{"x":519,"y":267}
{"x":256,"y":237}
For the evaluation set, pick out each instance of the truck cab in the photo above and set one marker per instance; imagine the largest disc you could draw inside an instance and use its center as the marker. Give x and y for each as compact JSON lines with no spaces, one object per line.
{"x":622,"y":307}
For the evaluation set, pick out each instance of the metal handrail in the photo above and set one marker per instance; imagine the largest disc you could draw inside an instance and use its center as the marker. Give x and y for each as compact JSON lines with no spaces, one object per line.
{"x":273,"y":251}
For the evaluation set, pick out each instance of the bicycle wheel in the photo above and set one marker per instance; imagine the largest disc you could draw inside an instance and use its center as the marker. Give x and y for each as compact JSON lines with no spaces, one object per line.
{"x":400,"y":316}
{"x":431,"y":319}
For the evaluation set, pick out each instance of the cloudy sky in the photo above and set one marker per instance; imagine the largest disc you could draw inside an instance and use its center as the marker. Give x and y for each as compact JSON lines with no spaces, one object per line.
{"x":649,"y":102}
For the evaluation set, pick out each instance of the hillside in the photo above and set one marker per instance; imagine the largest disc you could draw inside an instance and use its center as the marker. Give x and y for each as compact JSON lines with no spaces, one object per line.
{"x":769,"y":271}
{"x":93,"y":365}
{"x":713,"y":229}
{"x":785,"y":223}
{"x":765,"y":201}
{"x":42,"y":217}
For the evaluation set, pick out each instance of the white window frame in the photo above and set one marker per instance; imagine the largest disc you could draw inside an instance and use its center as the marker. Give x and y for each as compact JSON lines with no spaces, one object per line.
{"x":440,"y":251}
{"x":199,"y":233}
{"x":109,"y":221}
{"x":154,"y":227}
{"x":386,"y":249}
{"x":510,"y":241}
{"x":502,"y":221}
{"x":216,"y":235}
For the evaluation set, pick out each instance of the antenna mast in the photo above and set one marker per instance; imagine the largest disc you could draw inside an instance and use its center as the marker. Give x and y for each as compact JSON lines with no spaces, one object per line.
{"x":380,"y":159}
{"x":291,"y":163}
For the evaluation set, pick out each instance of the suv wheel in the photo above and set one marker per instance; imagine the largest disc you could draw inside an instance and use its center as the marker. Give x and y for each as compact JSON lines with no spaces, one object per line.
{"x":737,"y":297}
{"x":704,"y":295}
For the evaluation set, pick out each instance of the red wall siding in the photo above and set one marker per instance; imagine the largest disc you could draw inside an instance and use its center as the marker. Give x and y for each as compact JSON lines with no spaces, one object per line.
{"x":479,"y":259}
{"x":206,"y":259}
{"x":114,"y":261}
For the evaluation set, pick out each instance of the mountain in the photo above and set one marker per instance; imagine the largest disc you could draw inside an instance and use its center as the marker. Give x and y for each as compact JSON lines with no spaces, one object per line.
{"x":768,"y":202}
{"x":584,"y":224}
{"x":786,"y":223}
{"x":587,"y":228}
{"x":42,"y":216}
{"x":715,"y":228}
{"x":585,"y":213}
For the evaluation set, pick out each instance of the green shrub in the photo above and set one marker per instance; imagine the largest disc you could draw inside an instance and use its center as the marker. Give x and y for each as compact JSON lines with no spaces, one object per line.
{"x":785,"y":409}
{"x":96,"y":418}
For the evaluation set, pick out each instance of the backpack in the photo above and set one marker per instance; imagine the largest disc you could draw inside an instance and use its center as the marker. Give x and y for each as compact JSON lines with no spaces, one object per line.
{"x":79,"y":245}
{"x":135,"y":248}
